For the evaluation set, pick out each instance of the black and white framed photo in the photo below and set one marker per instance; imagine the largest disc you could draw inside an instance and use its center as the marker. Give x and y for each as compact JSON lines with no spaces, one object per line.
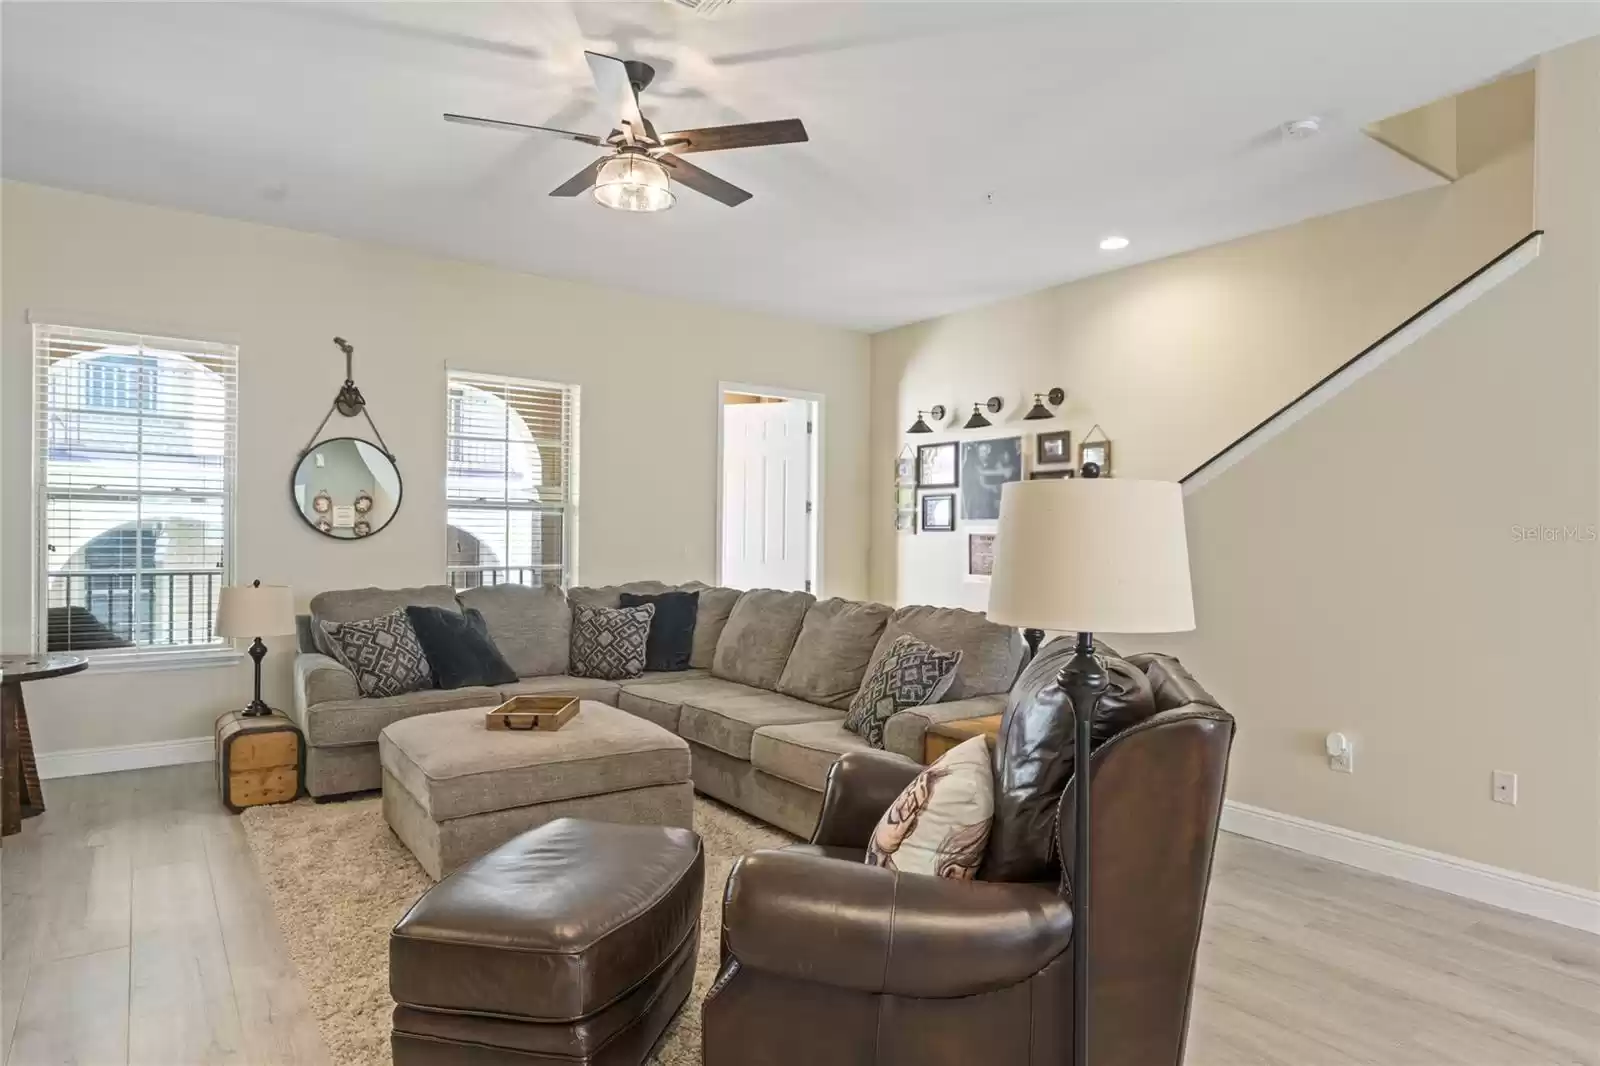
{"x":980,"y":556}
{"x":1050,"y":475}
{"x":986,"y":465}
{"x":1097,"y":452}
{"x":939,"y":512}
{"x":936,"y":466}
{"x":1052,"y":448}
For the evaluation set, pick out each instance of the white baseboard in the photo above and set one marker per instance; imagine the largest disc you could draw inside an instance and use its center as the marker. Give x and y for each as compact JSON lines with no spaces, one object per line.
{"x":1523,"y":893}
{"x":84,"y":761}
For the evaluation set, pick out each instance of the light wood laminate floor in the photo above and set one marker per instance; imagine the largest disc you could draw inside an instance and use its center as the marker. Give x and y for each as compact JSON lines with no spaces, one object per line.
{"x":136,"y":930}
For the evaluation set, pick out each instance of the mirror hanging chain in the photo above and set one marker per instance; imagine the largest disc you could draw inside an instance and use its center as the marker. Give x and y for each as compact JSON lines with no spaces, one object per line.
{"x":349,"y":402}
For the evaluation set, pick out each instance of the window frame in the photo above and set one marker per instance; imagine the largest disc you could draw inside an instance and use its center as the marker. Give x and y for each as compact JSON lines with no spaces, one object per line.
{"x":219,"y":651}
{"x":569,"y":505}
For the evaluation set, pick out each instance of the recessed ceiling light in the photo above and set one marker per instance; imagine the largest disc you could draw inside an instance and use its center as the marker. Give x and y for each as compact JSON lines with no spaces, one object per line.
{"x":1113,"y":244}
{"x":1301,"y":128}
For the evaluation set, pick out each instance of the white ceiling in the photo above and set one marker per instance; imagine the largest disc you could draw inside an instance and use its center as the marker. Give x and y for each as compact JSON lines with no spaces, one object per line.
{"x":960,"y":152}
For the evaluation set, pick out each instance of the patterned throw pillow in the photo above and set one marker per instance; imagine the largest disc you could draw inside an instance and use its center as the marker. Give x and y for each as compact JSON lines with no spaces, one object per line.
{"x":940,"y":824}
{"x":609,"y":642}
{"x":910,"y":674}
{"x":383,"y":652}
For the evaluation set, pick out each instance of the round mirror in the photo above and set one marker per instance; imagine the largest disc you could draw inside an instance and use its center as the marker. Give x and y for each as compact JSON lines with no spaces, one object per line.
{"x":346,"y":488}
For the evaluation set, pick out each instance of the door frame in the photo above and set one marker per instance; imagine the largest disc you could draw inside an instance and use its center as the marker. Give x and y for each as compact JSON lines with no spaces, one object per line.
{"x":818,"y":426}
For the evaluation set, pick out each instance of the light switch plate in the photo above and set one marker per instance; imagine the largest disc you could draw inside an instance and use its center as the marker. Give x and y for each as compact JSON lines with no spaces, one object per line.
{"x":1504,"y":784}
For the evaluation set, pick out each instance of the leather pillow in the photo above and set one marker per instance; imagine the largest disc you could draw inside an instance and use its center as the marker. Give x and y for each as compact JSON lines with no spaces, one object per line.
{"x":459,"y":650}
{"x":1034,"y":758}
{"x":671,"y":642}
{"x":939,"y":824}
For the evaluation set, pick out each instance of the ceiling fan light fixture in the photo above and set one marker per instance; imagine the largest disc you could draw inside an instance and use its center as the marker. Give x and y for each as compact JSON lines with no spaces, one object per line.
{"x":633,"y":181}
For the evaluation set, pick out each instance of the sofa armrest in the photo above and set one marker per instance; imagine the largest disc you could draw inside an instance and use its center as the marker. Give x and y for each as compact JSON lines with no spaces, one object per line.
{"x":903,"y":732}
{"x":875,"y":930}
{"x":860,"y":787}
{"x":318,"y":679}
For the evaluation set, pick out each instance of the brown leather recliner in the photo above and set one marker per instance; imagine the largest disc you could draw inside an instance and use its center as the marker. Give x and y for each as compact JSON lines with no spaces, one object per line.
{"x":828,"y":960}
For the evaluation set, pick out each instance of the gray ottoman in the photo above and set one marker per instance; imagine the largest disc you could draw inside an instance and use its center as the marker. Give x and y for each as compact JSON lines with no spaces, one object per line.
{"x":452,"y":789}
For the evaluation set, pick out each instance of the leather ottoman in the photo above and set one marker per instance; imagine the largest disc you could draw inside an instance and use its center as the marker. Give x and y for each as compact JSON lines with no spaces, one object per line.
{"x":573,"y":943}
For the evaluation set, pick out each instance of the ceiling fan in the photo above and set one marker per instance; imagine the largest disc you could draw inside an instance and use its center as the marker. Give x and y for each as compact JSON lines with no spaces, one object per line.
{"x":638,"y":172}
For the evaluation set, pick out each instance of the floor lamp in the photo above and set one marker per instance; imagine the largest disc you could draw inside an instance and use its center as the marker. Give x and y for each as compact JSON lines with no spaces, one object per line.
{"x":1088,"y":555}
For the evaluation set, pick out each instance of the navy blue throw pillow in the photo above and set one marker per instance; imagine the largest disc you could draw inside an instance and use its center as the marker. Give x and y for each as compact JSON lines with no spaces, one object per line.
{"x":671,"y":630}
{"x":458,"y":648}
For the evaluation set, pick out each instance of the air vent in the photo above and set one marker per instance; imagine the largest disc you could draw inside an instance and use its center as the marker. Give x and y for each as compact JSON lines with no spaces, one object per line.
{"x":703,"y":8}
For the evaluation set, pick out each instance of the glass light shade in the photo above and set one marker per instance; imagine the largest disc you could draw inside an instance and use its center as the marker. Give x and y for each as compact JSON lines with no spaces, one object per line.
{"x":633,"y":182}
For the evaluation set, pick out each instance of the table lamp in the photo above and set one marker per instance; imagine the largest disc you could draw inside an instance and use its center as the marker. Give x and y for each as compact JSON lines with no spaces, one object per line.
{"x":255,"y":610}
{"x":1079,"y":556}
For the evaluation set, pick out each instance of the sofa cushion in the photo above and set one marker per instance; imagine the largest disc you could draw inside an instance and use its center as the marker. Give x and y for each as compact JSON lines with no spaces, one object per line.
{"x":611,"y":595}
{"x":532,"y":627}
{"x":338,"y":723}
{"x":660,"y":701}
{"x":991,"y":654}
{"x":804,"y":752}
{"x":453,"y":767}
{"x":711,"y":615}
{"x":578,"y":688}
{"x":458,"y":648}
{"x":350,"y":605}
{"x":383,"y":652}
{"x":830,"y":656}
{"x":728,"y":722}
{"x":671,"y":630}
{"x":761,"y":631}
{"x":609,"y":642}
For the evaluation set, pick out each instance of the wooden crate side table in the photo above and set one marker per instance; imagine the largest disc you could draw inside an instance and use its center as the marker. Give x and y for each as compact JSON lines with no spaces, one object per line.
{"x":946,"y":735}
{"x":260,"y":759}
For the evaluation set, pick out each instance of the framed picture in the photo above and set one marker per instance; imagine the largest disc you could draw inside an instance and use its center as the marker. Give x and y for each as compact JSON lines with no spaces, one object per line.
{"x":1053,"y":447}
{"x":1096,"y":451}
{"x":939,"y":512}
{"x":986,"y":465}
{"x":936,"y":466}
{"x":1048,"y":475}
{"x":980,"y":555}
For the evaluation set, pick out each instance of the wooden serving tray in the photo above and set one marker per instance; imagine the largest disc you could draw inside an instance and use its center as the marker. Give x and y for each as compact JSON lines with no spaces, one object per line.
{"x":526,"y":714}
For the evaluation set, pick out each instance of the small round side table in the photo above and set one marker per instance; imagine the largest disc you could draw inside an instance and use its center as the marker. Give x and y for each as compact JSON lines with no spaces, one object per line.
{"x":23,"y":798}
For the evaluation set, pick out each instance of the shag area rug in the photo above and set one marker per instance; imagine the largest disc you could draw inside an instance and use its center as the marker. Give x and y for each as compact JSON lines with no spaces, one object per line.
{"x":339,"y":880}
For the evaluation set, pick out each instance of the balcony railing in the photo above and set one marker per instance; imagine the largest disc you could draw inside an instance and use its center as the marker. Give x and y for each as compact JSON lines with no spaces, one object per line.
{"x":471,"y":577}
{"x":127,"y":608}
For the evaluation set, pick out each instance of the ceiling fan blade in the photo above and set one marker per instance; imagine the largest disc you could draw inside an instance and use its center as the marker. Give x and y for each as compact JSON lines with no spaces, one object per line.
{"x":521,"y":127}
{"x":580,"y":181}
{"x":691,"y":176}
{"x":616,"y":91}
{"x":744,"y":135}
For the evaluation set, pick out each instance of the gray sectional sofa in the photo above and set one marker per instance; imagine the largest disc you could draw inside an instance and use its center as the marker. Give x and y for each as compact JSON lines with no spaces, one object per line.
{"x":762,"y":707}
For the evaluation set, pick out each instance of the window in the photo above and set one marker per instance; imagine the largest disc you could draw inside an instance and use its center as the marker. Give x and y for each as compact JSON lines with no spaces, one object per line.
{"x":511,"y":481}
{"x":136,"y":445}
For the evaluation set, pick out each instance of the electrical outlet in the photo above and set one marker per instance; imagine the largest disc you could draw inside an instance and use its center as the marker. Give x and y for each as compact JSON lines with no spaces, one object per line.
{"x":1505,"y":787}
{"x":1341,"y":753}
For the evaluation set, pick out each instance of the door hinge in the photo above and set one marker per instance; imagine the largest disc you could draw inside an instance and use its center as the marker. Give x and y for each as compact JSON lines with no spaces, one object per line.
{"x":808,"y":507}
{"x":808,"y":425}
{"x":808,"y":584}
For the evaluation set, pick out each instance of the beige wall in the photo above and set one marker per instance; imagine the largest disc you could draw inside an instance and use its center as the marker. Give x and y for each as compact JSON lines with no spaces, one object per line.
{"x":1360,"y":572}
{"x":649,"y":369}
{"x":1176,"y":358}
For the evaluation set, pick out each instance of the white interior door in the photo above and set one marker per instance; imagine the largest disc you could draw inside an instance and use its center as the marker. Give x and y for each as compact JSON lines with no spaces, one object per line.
{"x":766,"y":485}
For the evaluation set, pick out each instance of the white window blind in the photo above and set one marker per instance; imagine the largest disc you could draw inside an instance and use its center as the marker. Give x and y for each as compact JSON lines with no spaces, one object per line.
{"x":135,"y":438}
{"x":511,"y":481}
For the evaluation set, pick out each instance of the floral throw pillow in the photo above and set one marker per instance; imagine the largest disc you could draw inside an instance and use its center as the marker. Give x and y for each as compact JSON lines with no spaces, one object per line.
{"x":609,"y":642}
{"x":940,"y":824}
{"x":909,"y":674}
{"x":383,"y":652}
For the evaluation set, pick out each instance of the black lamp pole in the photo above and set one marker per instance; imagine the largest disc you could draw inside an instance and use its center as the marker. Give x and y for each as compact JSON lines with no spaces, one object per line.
{"x":1083,"y":679}
{"x":258,"y":651}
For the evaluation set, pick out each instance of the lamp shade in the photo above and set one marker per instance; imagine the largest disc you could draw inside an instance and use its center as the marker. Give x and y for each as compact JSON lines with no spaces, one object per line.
{"x":1099,"y":555}
{"x":255,"y":611}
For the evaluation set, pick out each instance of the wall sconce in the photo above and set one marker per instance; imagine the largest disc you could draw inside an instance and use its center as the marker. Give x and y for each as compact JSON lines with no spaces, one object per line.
{"x":977,"y":421}
{"x":919,"y":426}
{"x":1039,"y":410}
